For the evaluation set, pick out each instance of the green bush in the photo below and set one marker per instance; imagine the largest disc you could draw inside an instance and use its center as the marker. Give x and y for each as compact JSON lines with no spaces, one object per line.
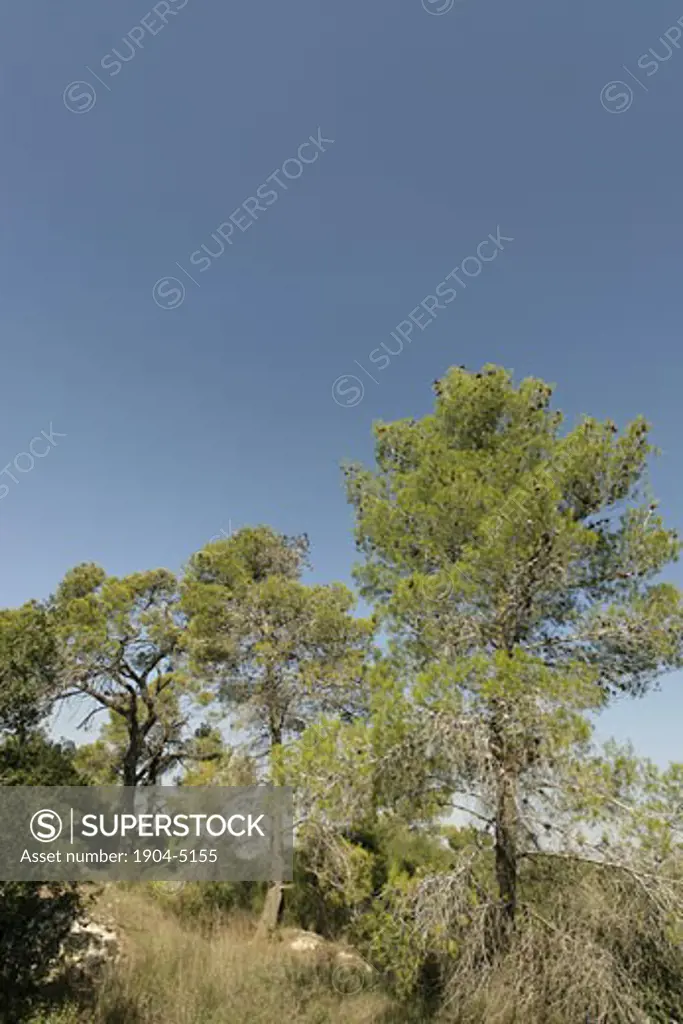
{"x":35,"y":917}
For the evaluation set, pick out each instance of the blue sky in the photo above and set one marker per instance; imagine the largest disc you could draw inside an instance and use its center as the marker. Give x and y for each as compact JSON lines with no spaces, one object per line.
{"x":451,"y":120}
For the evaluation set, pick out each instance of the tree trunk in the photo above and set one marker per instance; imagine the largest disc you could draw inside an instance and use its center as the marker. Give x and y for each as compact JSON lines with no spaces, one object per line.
{"x":272,"y":908}
{"x":506,"y":845}
{"x":130,"y":769}
{"x":506,"y":825}
{"x":132,"y":756}
{"x":272,"y":911}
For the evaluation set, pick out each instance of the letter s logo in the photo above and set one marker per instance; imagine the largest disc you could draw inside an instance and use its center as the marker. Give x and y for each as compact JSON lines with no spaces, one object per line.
{"x":79,"y":97}
{"x":168,"y":292}
{"x":355,"y":392}
{"x":616,"y":97}
{"x":46,"y":826}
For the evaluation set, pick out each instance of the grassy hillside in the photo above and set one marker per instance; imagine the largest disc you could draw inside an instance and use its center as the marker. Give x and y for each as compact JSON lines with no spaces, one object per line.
{"x":171,"y":972}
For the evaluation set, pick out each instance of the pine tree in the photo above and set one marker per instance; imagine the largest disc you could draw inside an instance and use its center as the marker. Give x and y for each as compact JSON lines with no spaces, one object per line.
{"x":516,"y":569}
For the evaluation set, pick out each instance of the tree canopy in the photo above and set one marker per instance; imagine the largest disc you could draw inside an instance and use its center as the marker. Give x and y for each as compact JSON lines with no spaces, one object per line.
{"x":280,"y":650}
{"x":120,"y":648}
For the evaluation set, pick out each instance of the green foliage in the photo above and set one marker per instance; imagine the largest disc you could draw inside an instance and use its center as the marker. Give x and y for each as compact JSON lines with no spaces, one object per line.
{"x":280,"y":651}
{"x":120,"y":647}
{"x":484,"y":528}
{"x":34,"y":918}
{"x":100,"y":762}
{"x":33,"y":760}
{"x":70,"y":1014}
{"x":515,"y":570}
{"x":28,"y":667}
{"x":209,"y":762}
{"x":208,"y":902}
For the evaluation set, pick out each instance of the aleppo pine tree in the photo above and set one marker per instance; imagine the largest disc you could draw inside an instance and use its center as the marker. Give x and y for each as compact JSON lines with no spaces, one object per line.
{"x":119,"y":644}
{"x":515,"y":566}
{"x":279,"y":652}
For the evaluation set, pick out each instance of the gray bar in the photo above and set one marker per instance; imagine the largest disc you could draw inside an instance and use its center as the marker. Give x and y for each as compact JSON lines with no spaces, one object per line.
{"x":155,"y":833}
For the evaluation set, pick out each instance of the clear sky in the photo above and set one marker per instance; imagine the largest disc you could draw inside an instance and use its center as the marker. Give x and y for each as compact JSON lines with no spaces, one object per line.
{"x":451,"y":120}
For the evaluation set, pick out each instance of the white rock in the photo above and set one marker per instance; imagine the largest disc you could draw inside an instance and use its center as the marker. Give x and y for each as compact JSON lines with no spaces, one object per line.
{"x":306,"y":942}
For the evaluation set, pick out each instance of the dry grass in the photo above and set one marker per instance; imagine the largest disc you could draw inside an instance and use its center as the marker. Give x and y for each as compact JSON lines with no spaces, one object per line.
{"x":171,"y":974}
